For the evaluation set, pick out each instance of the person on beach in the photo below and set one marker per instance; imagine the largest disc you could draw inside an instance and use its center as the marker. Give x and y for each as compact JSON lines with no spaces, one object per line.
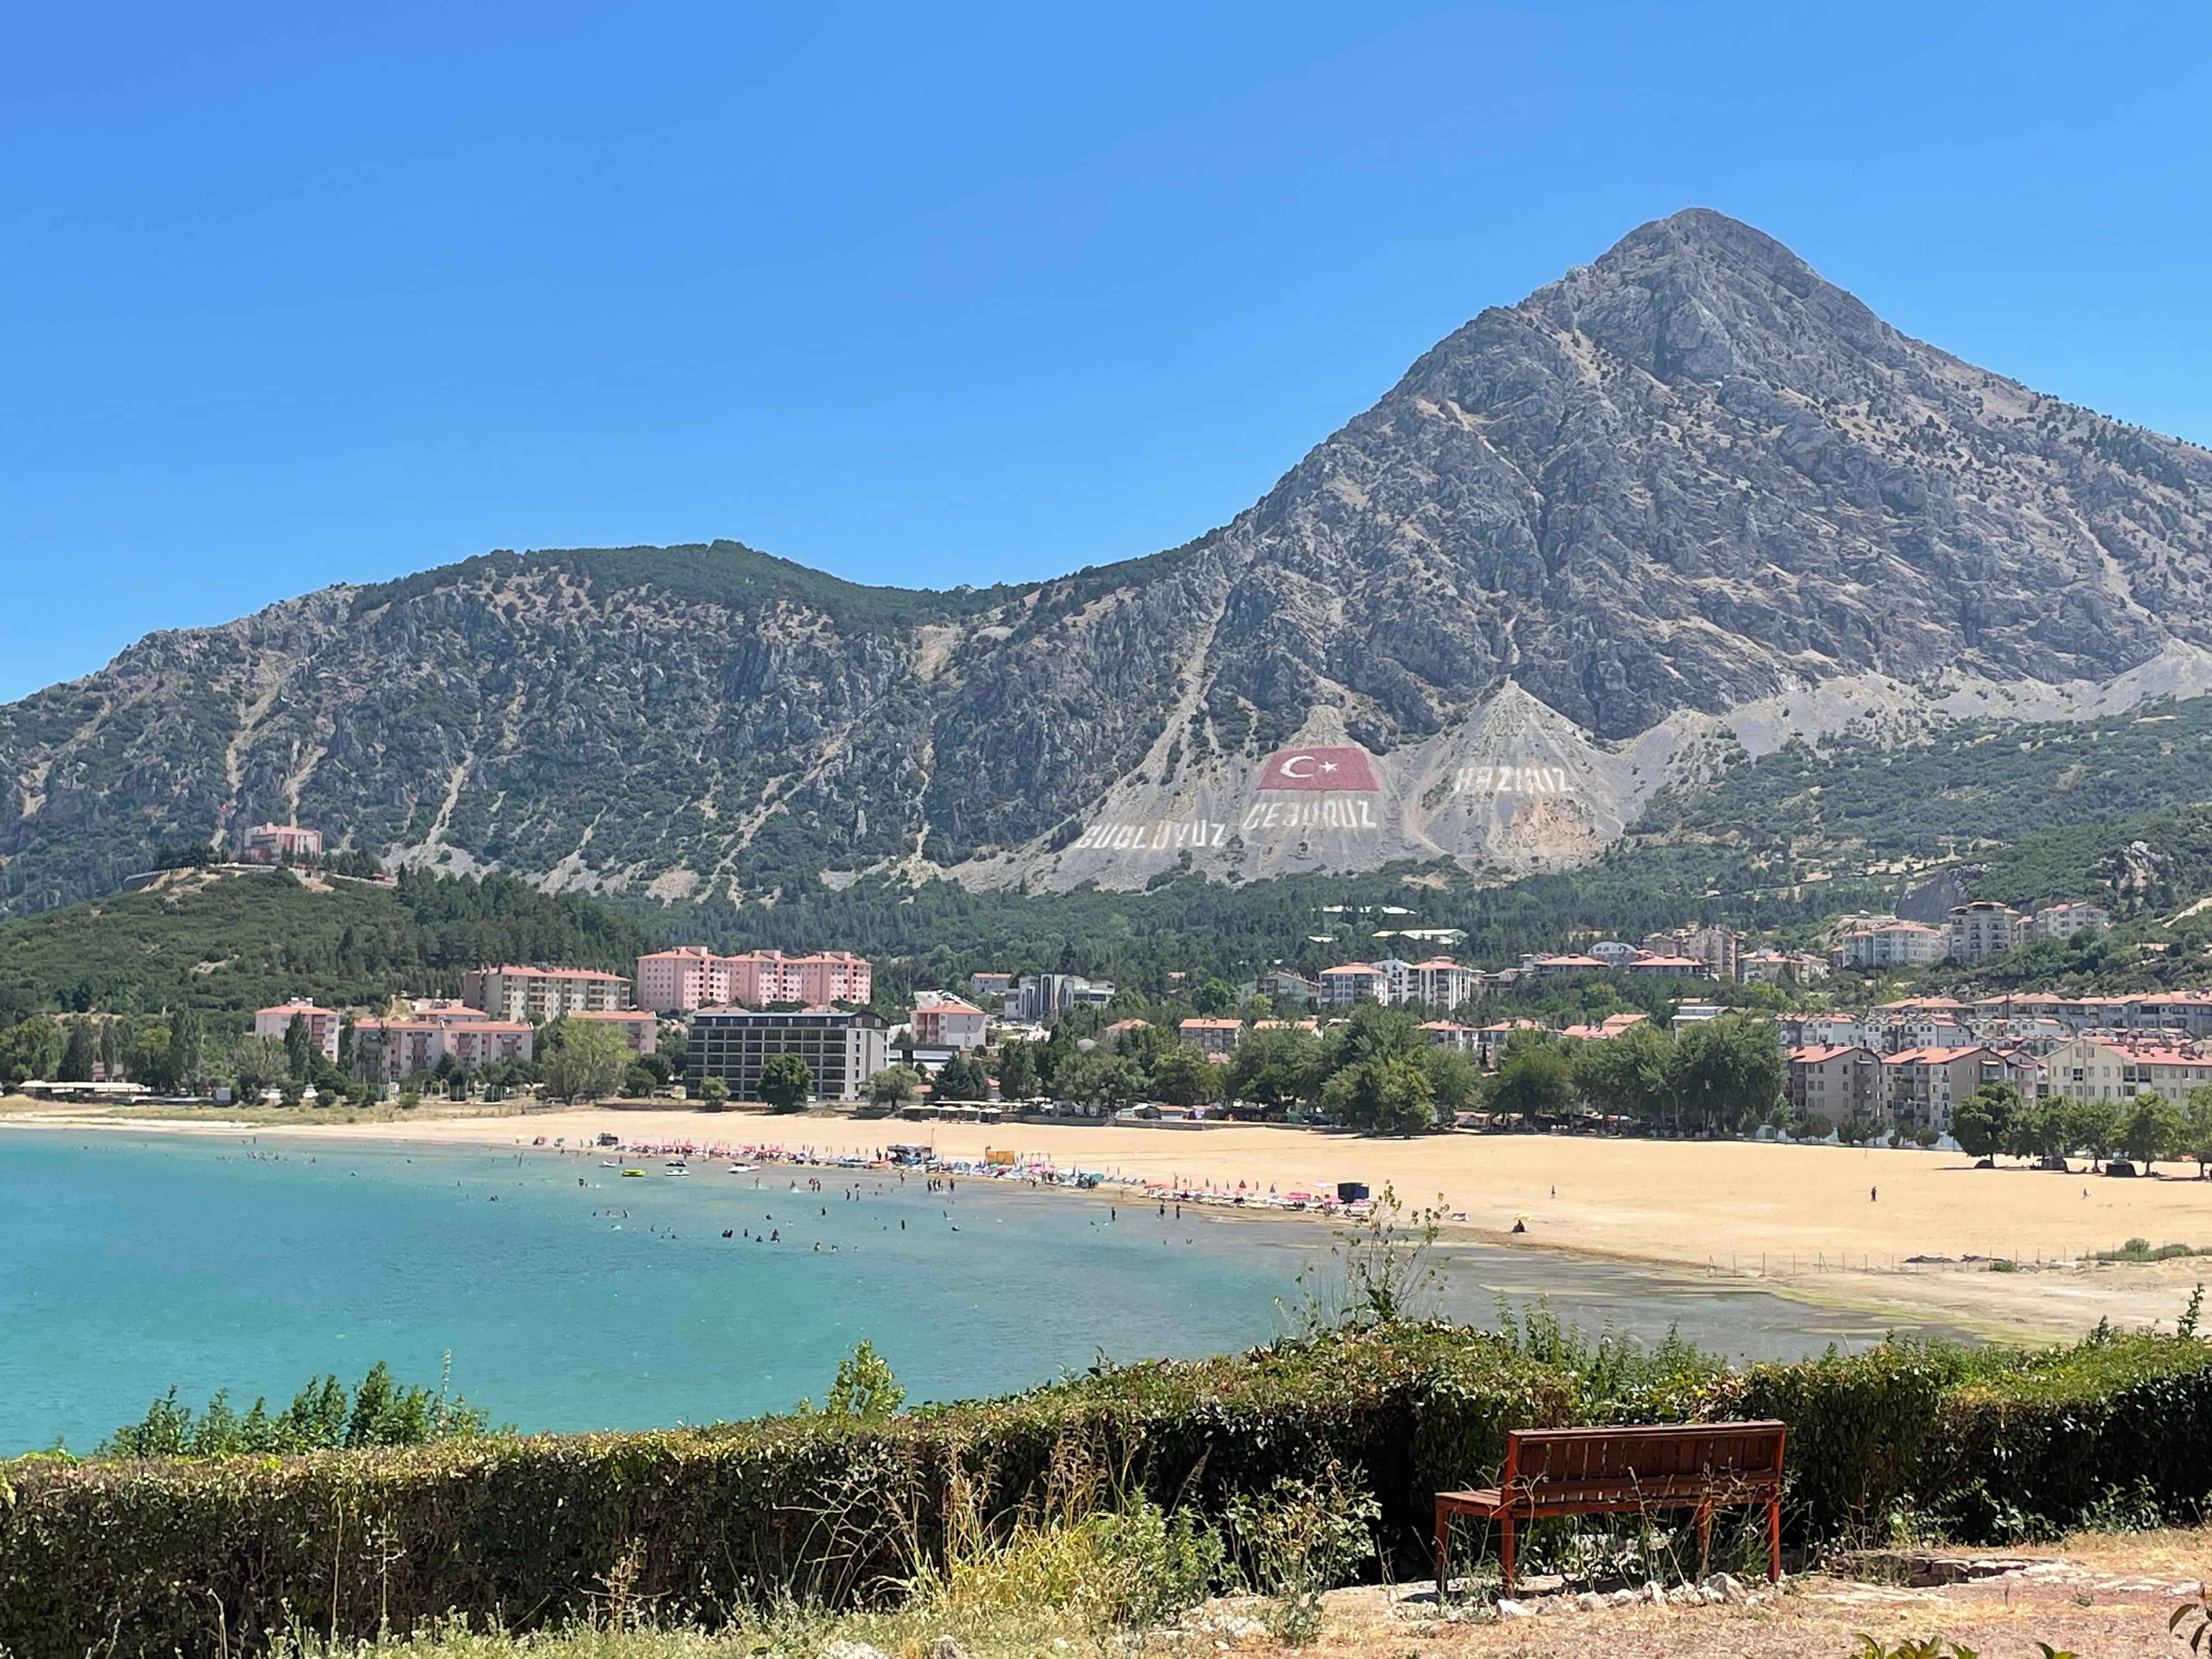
{"x":1874,"y":1194}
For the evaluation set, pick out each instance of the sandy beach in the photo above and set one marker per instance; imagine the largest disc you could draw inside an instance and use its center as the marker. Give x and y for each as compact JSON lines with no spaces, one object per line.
{"x":1825,"y":1223}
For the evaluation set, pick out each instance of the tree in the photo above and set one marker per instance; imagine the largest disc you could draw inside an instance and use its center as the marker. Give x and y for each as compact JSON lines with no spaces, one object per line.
{"x":188,"y":1049}
{"x":77,"y":1053}
{"x":1099,"y":1077}
{"x":715,"y":1093}
{"x":1383,"y":1096}
{"x":1626,"y":1075}
{"x":1373,"y":1032}
{"x":2196,"y":1128}
{"x":638,"y":1084}
{"x":1727,"y":1072}
{"x":786,"y":1083}
{"x":1982,"y":1123}
{"x":1278,"y":1067}
{"x":864,"y":1388}
{"x":1187,"y":1077}
{"x":1213,"y":997}
{"x":1017,"y":1078}
{"x":2089,"y":1126}
{"x":1535,"y":1076}
{"x":961,"y":1079}
{"x":2152,"y":1129}
{"x":895,"y":1086}
{"x":1455,"y":1080}
{"x":29,"y":1048}
{"x":588,"y":1061}
{"x":257,"y":1063}
{"x":299,"y":1047}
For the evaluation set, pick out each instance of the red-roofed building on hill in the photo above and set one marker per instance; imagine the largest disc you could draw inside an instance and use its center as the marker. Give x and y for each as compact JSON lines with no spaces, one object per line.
{"x":1217,"y":1037}
{"x":1921,"y":1085}
{"x":947,"y":1022}
{"x":281,"y":844}
{"x":393,"y":1050}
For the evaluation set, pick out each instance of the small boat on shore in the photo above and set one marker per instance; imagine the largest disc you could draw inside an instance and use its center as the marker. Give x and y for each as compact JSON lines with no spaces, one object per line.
{"x":677,"y":1166}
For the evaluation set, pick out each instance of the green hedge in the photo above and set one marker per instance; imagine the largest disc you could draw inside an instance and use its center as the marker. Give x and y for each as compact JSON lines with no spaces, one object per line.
{"x":143,"y":1559}
{"x":146,"y":1558}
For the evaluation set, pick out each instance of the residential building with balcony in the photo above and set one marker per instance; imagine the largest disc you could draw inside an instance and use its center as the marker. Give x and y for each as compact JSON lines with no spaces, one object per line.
{"x":539,"y":995}
{"x":843,"y":1048}
{"x":323,"y":1024}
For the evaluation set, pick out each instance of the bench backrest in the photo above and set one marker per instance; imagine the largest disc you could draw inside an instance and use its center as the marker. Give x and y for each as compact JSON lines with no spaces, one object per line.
{"x":1671,"y":1454}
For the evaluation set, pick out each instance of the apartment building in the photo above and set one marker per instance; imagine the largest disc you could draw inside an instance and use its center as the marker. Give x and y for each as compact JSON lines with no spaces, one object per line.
{"x":1721,"y":949}
{"x":2062,"y":922}
{"x":842,"y":1048}
{"x":1046,"y":996}
{"x":638,"y":1027}
{"x":393,"y":1050}
{"x":1440,"y":982}
{"x":539,"y":995}
{"x":1886,"y":942}
{"x":1280,"y":982}
{"x":2099,"y":1068}
{"x":1352,"y":982}
{"x":1983,"y":929}
{"x":675,"y":981}
{"x":1451,"y":1035}
{"x":1921,"y":1085}
{"x":1839,"y":1081}
{"x":947,"y":1022}
{"x":323,"y":1024}
{"x":1217,"y":1037}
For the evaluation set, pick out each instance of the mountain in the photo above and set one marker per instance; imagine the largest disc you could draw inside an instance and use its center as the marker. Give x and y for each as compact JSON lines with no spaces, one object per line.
{"x":1677,"y":508}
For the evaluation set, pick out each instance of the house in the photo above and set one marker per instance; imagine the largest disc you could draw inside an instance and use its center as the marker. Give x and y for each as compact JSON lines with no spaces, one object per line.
{"x":947,"y":1022}
{"x":1279,"y":984}
{"x":1838,"y":1081}
{"x":1561,"y":966}
{"x":1659,"y":967}
{"x":1451,"y":1036}
{"x":1770,"y":967}
{"x":1217,"y":1037}
{"x":1983,"y":929}
{"x":1612,"y":953}
{"x":990,"y":985}
{"x":1352,"y":982}
{"x":281,"y":844}
{"x":323,"y":1024}
{"x":843,"y":1048}
{"x":1695,"y":1013}
{"x":539,"y":995}
{"x":1823,"y":1031}
{"x":1490,"y":1041}
{"x":1612,"y":1025}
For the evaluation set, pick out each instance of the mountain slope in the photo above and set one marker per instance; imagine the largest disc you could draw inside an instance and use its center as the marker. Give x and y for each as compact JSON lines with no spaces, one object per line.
{"x":1682,"y":504}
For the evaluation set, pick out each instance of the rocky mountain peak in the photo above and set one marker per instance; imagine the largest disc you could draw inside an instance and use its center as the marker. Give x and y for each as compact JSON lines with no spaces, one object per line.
{"x":1686,"y":497}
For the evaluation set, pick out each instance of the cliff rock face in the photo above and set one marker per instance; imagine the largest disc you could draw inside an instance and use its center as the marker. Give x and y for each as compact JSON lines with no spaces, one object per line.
{"x":1686,"y":497}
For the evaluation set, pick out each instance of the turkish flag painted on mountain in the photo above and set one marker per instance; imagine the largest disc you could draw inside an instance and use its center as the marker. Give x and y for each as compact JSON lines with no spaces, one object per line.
{"x":1317,"y":769}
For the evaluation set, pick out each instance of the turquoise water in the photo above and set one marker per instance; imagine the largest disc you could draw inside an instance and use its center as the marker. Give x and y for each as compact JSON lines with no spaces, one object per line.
{"x":129,"y":1263}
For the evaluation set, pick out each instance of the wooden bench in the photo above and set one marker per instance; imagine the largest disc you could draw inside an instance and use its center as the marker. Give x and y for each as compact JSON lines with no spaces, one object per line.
{"x":1699,"y":1466}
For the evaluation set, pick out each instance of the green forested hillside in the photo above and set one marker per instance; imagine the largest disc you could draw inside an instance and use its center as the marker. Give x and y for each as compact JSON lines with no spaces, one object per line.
{"x":235,"y":941}
{"x":1973,"y":783}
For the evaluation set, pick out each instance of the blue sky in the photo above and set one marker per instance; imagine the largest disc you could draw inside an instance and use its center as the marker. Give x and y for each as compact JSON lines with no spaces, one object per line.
{"x":296,"y":294}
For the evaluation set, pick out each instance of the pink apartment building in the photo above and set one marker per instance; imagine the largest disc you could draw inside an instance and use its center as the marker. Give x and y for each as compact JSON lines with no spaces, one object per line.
{"x":393,"y":1050}
{"x":638,"y":1027}
{"x":691,"y":977}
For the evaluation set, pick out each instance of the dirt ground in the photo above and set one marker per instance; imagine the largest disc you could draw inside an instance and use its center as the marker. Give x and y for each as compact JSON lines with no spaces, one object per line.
{"x":2100,"y":1597}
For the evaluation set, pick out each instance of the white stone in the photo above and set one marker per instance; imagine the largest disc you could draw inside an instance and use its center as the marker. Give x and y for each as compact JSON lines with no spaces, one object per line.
{"x":1621,"y":1598}
{"x":1591,"y":1602}
{"x":1516,"y":1610}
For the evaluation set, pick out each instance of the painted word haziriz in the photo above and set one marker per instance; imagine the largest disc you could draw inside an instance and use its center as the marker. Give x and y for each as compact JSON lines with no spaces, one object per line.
{"x":1165,"y":836}
{"x":1512,"y":781}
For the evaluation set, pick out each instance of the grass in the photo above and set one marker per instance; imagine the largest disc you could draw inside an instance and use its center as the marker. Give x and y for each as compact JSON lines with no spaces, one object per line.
{"x":2139,"y":1250}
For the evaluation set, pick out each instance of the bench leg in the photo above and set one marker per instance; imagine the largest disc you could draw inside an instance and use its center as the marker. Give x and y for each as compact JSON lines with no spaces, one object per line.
{"x":1443,"y":1542}
{"x":1705,"y":1540}
{"x":1774,"y":1542}
{"x":1505,"y":1550}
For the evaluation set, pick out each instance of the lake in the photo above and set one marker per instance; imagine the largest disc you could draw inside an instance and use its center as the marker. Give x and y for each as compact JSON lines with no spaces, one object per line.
{"x":129,"y":1262}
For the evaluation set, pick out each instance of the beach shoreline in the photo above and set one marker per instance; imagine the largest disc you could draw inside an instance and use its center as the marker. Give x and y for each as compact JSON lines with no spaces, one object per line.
{"x":1824,"y":1225}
